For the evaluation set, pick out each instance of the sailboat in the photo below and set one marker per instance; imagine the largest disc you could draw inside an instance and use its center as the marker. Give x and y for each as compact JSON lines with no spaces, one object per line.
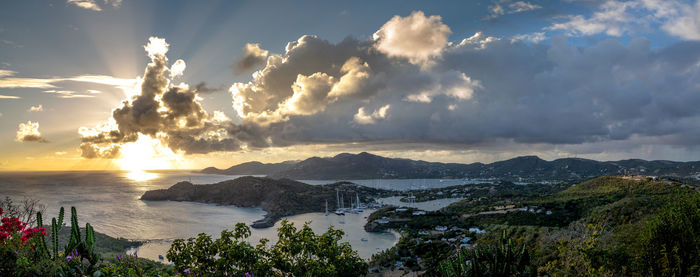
{"x":353,"y":208}
{"x":339,"y":207}
{"x":326,"y":207}
{"x":358,"y":206}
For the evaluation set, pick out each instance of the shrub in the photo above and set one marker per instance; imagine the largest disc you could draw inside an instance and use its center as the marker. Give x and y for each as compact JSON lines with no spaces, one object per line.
{"x":671,"y":241}
{"x":501,"y":259}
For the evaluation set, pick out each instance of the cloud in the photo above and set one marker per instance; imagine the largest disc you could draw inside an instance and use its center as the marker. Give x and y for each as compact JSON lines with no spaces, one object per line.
{"x":363,"y":118}
{"x":252,"y":57}
{"x":12,"y":43}
{"x":177,"y":69}
{"x":477,"y":91}
{"x":68,"y":94}
{"x":686,"y":25}
{"x":159,"y":110}
{"x":27,"y":83}
{"x":522,"y":6}
{"x":29,"y":132}
{"x":535,"y":37}
{"x":202,"y":88}
{"x":38,"y":108}
{"x":93,"y":4}
{"x":416,"y":37}
{"x":502,"y":7}
{"x":311,"y":75}
{"x":125,"y":85}
{"x":616,"y":18}
{"x":452,"y":83}
{"x":6,"y":73}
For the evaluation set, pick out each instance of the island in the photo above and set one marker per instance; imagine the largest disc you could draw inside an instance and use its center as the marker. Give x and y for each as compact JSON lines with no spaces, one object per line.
{"x":278,"y":197}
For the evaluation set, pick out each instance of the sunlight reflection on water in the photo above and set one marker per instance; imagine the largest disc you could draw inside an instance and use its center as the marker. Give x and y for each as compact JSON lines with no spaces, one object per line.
{"x":140,"y":175}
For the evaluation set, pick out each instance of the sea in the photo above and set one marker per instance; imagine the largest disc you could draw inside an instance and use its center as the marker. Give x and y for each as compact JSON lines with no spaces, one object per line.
{"x":109,"y":201}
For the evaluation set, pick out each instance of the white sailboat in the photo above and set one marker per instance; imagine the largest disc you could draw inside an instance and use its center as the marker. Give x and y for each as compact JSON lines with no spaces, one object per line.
{"x":353,"y":207}
{"x":358,"y":205}
{"x":339,"y":207}
{"x":326,"y":207}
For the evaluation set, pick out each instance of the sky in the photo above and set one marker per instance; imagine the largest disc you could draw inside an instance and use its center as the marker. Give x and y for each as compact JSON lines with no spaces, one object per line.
{"x":139,"y":85}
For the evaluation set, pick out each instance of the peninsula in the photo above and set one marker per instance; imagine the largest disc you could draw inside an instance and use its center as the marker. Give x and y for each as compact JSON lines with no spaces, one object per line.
{"x":279,"y":198}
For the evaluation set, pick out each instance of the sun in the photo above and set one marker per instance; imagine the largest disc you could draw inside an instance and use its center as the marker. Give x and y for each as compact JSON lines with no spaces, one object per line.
{"x":146,"y":153}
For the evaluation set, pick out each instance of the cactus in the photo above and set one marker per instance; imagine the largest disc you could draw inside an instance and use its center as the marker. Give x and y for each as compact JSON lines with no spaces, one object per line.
{"x":89,"y":238}
{"x":60,"y":218}
{"x":74,"y":231}
{"x":42,"y":242}
{"x":84,"y":248}
{"x":55,"y":228}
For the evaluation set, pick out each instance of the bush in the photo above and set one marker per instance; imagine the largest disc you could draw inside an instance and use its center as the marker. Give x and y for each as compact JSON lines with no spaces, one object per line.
{"x":23,"y":251}
{"x":671,"y":241}
{"x":501,"y":259}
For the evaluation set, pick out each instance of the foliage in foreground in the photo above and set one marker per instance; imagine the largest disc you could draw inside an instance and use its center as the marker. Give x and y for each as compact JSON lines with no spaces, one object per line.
{"x":672,"y":240}
{"x":298,"y":252}
{"x":501,"y":259}
{"x":24,"y":251}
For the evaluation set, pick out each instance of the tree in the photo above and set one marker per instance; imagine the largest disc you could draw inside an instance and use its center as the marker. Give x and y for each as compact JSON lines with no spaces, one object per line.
{"x":24,"y":210}
{"x":298,"y":252}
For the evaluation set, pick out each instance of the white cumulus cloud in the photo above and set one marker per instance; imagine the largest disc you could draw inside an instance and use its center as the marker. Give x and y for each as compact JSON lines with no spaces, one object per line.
{"x":29,"y":132}
{"x":37,"y":108}
{"x":362,"y":117}
{"x":416,"y":37}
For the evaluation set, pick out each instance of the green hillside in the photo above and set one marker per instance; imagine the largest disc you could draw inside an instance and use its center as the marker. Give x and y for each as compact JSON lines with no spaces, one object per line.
{"x":607,"y":226}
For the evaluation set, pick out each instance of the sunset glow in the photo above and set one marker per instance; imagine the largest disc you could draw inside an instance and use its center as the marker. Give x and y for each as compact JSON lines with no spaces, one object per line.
{"x":146,"y":154}
{"x":454,"y":82}
{"x":350,"y":138}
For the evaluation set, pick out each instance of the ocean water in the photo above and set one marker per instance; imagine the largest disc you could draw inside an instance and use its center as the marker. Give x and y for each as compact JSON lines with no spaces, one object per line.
{"x":110,"y":202}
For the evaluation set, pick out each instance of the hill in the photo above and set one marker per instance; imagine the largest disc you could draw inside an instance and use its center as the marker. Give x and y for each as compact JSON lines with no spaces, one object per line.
{"x":605,"y":226}
{"x":251,"y":168}
{"x":527,"y":169}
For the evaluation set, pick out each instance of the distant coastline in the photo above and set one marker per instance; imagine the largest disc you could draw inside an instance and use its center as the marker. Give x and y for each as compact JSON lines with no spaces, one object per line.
{"x":364,"y":165}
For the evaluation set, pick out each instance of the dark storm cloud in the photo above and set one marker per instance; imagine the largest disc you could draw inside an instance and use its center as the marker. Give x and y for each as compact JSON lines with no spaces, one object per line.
{"x":499,"y":89}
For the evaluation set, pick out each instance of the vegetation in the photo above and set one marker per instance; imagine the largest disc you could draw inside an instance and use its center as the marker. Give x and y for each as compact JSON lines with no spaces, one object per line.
{"x":24,"y":210}
{"x":31,"y":251}
{"x":298,"y":252}
{"x":501,"y":259}
{"x":606,"y":226}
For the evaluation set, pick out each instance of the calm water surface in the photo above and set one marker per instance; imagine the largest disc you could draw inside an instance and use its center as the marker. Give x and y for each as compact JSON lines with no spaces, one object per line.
{"x":110,"y":202}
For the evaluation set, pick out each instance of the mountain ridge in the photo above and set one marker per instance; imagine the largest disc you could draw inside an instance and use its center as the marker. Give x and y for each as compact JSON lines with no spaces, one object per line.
{"x":526,"y":168}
